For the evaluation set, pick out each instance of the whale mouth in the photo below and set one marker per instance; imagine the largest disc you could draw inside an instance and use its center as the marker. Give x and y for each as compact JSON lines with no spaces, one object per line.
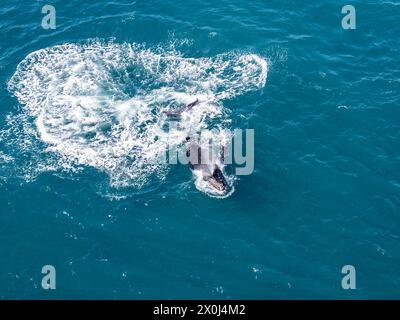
{"x":219,"y":187}
{"x":218,"y":182}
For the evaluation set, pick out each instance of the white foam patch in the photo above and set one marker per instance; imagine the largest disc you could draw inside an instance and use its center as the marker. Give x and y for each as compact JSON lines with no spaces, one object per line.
{"x":4,"y":158}
{"x":100,"y":104}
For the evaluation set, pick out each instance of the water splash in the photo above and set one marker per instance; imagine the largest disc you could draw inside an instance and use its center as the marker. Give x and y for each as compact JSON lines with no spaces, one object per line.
{"x":100,"y":104}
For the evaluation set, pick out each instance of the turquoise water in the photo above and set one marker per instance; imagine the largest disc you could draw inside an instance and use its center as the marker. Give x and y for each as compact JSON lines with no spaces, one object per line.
{"x":324,"y":192}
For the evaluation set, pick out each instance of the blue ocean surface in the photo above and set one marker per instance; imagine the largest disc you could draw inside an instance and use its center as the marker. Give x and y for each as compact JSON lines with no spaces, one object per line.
{"x":76,"y":190}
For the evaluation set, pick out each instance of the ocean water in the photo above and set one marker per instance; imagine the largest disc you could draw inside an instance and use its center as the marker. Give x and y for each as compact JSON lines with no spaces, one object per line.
{"x":79,"y":109}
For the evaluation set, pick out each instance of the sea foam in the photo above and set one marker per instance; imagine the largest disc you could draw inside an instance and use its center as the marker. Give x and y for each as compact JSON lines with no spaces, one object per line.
{"x":101,"y":104}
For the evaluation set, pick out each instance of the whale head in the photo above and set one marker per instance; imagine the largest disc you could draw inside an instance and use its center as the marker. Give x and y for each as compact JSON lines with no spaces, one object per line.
{"x":217,"y":181}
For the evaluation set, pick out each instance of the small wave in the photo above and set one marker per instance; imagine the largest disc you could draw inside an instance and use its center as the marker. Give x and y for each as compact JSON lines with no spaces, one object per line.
{"x":100,"y":104}
{"x":5,"y":158}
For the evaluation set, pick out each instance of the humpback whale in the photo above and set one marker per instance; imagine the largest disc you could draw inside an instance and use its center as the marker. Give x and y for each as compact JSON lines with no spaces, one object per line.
{"x":201,"y":160}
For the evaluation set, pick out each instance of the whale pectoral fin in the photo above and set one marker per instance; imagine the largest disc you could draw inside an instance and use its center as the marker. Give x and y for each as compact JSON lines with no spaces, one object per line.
{"x":222,"y":154}
{"x":224,"y":151}
{"x":191,"y":105}
{"x":177,"y":114}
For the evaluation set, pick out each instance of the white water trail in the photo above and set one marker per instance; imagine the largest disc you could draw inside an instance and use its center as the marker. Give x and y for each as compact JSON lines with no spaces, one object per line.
{"x":100,"y":104}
